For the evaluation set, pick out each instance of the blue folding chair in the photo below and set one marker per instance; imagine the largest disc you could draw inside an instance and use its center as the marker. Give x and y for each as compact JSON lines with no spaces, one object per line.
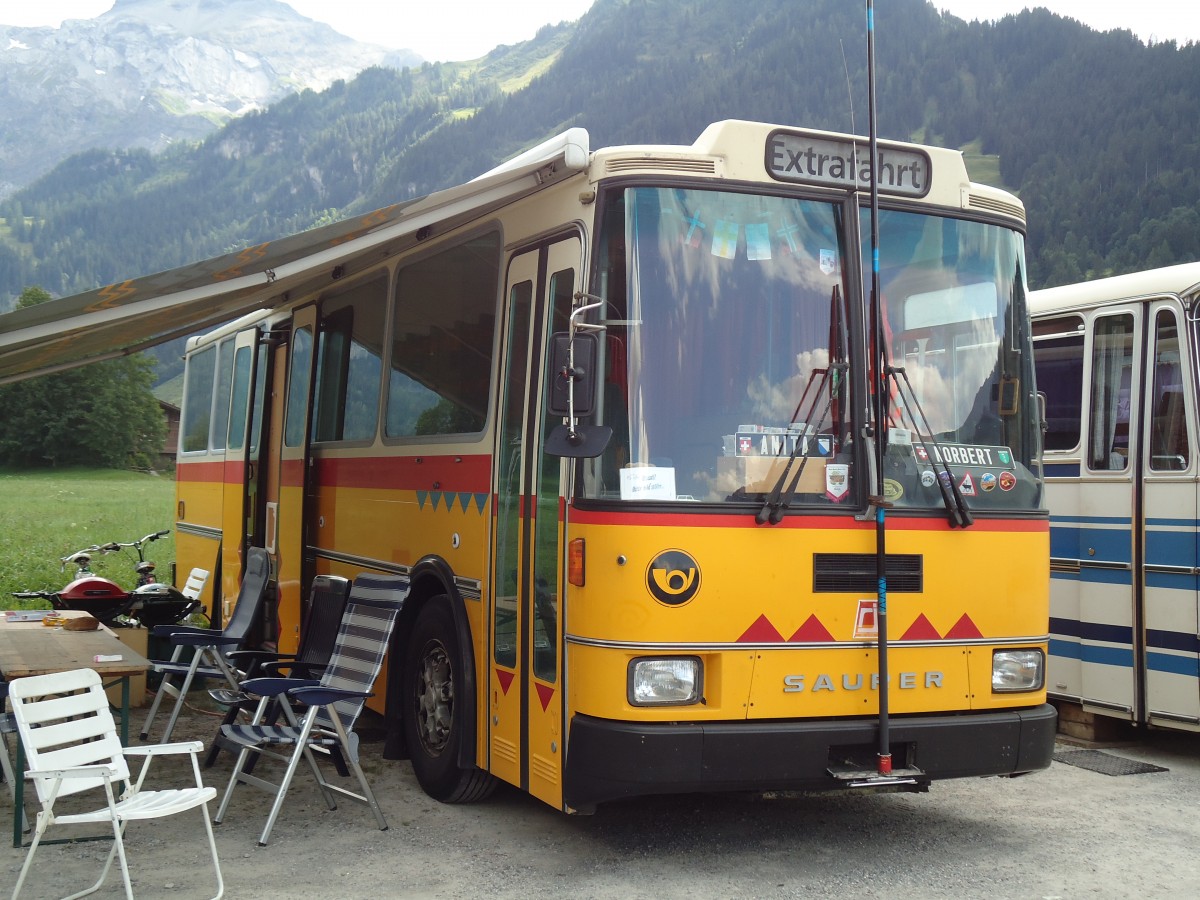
{"x":210,"y":646}
{"x":334,"y":703}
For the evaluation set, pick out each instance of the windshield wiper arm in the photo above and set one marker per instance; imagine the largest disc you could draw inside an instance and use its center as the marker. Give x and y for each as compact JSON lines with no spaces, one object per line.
{"x":955,"y":503}
{"x":778,"y":499}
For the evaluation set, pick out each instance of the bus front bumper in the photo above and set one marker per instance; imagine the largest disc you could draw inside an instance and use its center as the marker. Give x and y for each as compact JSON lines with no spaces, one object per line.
{"x":609,"y":760}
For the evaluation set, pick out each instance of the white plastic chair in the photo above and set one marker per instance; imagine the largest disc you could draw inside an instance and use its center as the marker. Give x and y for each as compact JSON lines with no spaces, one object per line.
{"x":8,"y":725}
{"x":194,"y":586}
{"x":71,"y":746}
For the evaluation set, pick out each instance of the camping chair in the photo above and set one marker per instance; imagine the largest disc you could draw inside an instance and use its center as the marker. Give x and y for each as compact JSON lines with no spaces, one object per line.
{"x":71,"y":746}
{"x":8,"y":725}
{"x":327,"y":601}
{"x":210,"y":646}
{"x":334,"y":703}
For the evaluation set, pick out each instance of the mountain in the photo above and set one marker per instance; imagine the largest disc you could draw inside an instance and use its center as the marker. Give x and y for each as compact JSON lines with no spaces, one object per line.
{"x":149,"y":73}
{"x":1094,"y":131}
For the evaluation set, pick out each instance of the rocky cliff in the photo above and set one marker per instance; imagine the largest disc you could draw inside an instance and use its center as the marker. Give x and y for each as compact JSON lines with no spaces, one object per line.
{"x":151,"y":72}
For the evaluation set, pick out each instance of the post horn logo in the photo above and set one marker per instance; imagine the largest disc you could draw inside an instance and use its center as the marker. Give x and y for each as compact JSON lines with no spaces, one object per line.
{"x":673,"y":578}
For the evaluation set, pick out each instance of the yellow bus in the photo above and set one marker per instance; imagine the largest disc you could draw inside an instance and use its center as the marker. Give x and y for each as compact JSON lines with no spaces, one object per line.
{"x":613,"y":412}
{"x":1117,"y":361}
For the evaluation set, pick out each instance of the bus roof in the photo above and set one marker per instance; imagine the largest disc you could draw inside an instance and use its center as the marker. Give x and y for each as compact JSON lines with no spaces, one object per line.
{"x":1180,"y":280}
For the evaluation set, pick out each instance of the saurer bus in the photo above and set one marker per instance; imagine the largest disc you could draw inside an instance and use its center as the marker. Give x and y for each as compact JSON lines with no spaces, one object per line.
{"x":1117,"y":362}
{"x":635,"y":426}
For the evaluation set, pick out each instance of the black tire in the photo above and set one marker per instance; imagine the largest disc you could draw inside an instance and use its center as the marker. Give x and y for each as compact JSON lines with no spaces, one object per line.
{"x":433,"y":715}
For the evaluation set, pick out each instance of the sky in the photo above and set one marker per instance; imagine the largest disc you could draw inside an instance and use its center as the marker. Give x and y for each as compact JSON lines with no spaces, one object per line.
{"x":443,"y":30}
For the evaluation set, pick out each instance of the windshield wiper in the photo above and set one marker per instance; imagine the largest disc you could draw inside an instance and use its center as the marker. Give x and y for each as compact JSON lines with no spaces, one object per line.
{"x":956,"y":504}
{"x":779,"y":499}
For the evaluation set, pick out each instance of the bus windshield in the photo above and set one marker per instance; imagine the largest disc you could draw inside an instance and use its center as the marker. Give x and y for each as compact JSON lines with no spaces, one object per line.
{"x":728,"y":351}
{"x":721,"y":309}
{"x":961,"y":403}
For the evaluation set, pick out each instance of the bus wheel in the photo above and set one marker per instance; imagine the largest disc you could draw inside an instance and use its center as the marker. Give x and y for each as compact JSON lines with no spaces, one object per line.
{"x":434,"y":708}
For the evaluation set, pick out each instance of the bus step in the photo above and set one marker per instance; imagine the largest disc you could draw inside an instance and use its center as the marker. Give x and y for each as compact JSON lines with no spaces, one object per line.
{"x":909,"y":779}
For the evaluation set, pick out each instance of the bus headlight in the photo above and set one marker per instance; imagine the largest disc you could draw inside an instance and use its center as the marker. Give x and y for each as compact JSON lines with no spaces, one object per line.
{"x":665,"y":681}
{"x":1018,"y":670}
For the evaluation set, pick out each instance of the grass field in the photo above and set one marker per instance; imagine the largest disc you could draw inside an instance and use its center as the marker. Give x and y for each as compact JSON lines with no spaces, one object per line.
{"x":48,"y":514}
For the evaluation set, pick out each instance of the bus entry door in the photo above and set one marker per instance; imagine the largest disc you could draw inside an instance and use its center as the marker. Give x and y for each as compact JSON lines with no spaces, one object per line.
{"x":1169,"y":511}
{"x":285,"y":525}
{"x":525,"y":697}
{"x":241,"y":524}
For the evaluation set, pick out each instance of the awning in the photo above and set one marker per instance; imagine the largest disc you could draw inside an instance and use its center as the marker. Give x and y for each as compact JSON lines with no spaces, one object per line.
{"x":133,"y":315}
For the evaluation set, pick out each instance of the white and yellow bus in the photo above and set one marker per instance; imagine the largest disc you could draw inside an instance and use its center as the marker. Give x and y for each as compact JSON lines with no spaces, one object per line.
{"x":1117,"y":361}
{"x":612,"y":412}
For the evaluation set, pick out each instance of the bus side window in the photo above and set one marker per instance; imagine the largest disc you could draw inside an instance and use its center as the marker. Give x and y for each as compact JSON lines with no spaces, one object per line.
{"x":1058,"y":358}
{"x":197,"y":401}
{"x":349,"y":363}
{"x":1168,"y":424}
{"x":444,"y":326}
{"x":1112,"y":365}
{"x":224,"y":384}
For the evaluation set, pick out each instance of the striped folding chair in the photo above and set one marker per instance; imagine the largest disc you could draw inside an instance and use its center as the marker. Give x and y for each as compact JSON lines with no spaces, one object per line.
{"x":333,"y":704}
{"x":318,"y":634}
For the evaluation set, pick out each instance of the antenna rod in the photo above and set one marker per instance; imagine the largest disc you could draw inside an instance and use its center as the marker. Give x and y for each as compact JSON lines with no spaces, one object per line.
{"x":882,"y":378}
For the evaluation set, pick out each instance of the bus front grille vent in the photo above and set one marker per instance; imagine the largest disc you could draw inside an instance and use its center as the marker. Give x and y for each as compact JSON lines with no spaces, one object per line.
{"x":978,"y":201}
{"x":841,"y":573}
{"x":661,"y":164}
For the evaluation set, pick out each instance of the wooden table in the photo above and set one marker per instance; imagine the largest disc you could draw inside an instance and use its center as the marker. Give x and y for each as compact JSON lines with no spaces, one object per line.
{"x":31,"y":648}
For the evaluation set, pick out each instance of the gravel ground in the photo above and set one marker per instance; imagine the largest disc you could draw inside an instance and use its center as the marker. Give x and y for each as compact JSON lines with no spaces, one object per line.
{"x":1067,"y":832}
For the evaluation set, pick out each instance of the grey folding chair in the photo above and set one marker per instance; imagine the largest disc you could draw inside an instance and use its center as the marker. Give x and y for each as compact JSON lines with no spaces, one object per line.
{"x":318,"y":635}
{"x":334,"y":704}
{"x":210,"y":646}
{"x":71,"y":746}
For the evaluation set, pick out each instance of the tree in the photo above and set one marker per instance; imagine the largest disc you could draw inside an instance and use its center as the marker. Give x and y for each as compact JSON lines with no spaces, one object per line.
{"x":102,"y":414}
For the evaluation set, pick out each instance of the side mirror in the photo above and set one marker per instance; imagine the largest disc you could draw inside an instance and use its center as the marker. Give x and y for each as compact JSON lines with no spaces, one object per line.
{"x":574,"y":373}
{"x":574,"y":356}
{"x":580,"y":442}
{"x":573,"y":394}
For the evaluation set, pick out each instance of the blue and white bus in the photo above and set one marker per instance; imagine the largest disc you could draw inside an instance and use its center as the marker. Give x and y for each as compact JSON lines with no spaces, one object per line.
{"x":1116,"y":361}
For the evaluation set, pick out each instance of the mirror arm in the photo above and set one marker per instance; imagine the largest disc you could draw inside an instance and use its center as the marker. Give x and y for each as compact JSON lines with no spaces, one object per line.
{"x":571,"y":372}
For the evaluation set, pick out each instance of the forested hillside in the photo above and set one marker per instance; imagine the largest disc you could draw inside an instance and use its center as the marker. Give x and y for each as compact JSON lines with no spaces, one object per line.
{"x":1093,"y":131}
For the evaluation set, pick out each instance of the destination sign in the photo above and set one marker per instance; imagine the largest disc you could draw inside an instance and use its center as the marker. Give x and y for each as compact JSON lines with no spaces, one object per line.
{"x":807,"y":159}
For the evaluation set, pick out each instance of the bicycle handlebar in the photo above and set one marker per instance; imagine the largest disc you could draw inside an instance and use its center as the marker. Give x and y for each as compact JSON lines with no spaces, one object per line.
{"x":153,"y":536}
{"x":114,"y":546}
